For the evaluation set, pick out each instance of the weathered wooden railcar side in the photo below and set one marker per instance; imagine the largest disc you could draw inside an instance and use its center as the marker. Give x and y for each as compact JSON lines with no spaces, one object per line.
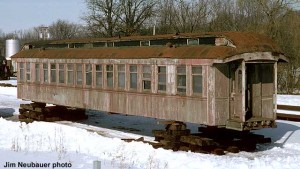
{"x":230,"y":82}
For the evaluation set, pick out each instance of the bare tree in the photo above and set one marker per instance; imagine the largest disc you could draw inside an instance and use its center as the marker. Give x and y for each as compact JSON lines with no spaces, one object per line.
{"x":182,"y":15}
{"x":102,"y":17}
{"x":134,"y":13}
{"x":62,"y":29}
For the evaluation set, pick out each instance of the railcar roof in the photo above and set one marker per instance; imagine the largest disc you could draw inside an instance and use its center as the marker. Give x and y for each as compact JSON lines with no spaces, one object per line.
{"x":244,"y":42}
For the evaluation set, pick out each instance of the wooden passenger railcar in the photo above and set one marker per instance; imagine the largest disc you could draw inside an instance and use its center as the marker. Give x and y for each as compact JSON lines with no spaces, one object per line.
{"x":225,"y":79}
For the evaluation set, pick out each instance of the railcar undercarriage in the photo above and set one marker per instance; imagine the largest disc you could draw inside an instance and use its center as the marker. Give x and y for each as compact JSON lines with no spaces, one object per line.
{"x":176,"y":136}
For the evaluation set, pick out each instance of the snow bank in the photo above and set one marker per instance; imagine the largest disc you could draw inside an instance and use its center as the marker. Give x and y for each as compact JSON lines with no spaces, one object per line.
{"x":81,"y":147}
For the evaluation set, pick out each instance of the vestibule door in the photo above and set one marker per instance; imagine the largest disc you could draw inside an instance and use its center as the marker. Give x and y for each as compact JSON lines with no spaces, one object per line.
{"x":237,"y":91}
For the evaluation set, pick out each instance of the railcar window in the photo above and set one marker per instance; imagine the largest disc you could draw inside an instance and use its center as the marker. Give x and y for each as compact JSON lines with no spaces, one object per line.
{"x":88,"y":74}
{"x":79,"y":74}
{"x":146,"y":78}
{"x":110,"y":76}
{"x":53,"y":73}
{"x":45,"y":72}
{"x":162,"y":78}
{"x":99,"y":75}
{"x":21,"y":65}
{"x":110,"y":44}
{"x":197,"y":79}
{"x":207,"y":40}
{"x":70,"y":74}
{"x":179,"y":41}
{"x":145,"y":43}
{"x":37,"y":73}
{"x":193,"y":41}
{"x":28,"y":72}
{"x":126,"y":43}
{"x":121,"y":76}
{"x":99,"y":44}
{"x":61,"y":73}
{"x":181,"y":79}
{"x":133,"y":77}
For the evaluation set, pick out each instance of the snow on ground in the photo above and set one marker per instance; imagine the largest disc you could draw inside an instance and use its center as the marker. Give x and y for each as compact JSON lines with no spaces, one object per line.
{"x":288,"y":100}
{"x":65,"y":144}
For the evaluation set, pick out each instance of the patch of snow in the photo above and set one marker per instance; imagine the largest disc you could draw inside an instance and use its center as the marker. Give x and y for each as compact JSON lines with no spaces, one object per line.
{"x":288,"y":100}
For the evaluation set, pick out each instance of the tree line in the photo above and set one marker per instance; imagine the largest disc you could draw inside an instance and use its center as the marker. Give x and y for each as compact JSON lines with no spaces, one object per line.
{"x":279,"y":19}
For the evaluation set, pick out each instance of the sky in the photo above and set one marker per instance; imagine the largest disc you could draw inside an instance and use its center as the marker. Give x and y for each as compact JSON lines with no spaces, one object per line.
{"x":25,"y":14}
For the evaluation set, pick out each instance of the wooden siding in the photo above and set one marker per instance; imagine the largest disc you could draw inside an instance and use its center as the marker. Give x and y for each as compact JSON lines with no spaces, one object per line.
{"x":222,"y":93}
{"x":141,"y":104}
{"x":168,"y":105}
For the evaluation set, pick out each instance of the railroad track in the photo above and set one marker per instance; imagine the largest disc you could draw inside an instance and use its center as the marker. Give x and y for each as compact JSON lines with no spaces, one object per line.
{"x":293,"y":115}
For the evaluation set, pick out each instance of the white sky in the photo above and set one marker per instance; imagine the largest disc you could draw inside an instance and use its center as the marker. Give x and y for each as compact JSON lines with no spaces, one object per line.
{"x":25,"y":14}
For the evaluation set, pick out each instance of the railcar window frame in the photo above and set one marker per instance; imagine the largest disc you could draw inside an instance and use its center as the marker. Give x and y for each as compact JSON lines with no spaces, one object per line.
{"x":37,"y":73}
{"x":162,"y":78}
{"x":198,"y":74}
{"x":45,"y":73}
{"x":28,"y":74}
{"x":79,"y":74}
{"x":21,"y":72}
{"x":181,"y":79}
{"x":146,"y":78}
{"x":61,"y":73}
{"x":70,"y":74}
{"x":121,"y":76}
{"x":109,"y":68}
{"x":88,"y":75}
{"x":53,"y":68}
{"x":99,"y":75}
{"x":133,"y":75}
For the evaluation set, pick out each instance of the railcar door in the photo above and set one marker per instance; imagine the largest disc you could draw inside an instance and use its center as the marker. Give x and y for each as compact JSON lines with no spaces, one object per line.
{"x":237,"y":92}
{"x":260,"y":90}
